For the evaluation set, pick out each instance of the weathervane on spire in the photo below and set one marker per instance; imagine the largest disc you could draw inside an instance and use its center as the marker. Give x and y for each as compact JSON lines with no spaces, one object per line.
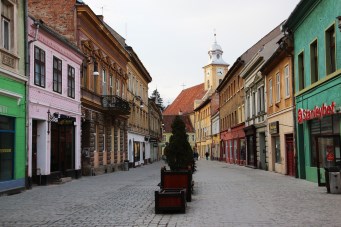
{"x":215,"y":36}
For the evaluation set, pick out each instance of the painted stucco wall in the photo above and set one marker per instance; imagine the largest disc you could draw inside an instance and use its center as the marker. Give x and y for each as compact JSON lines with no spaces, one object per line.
{"x":44,"y":99}
{"x":327,"y":88}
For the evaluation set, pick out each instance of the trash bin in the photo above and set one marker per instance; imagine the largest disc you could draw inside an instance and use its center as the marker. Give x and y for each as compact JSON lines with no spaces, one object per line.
{"x":333,"y":179}
{"x":126,"y":165}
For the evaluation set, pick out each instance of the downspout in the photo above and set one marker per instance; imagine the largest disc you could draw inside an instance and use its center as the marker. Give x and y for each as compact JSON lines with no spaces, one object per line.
{"x":28,"y":180}
{"x":28,"y":183}
{"x":291,"y":37}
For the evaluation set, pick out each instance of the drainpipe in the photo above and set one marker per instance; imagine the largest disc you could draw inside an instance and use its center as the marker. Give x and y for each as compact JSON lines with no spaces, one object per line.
{"x":28,"y":182}
{"x":290,"y":36}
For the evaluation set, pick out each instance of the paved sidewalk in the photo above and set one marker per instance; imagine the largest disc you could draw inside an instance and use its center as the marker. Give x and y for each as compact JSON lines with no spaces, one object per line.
{"x":224,"y":195}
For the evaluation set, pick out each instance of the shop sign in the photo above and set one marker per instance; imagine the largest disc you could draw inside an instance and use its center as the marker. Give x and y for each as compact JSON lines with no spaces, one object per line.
{"x":152,"y":140}
{"x":65,"y":122}
{"x":5,"y":150}
{"x":3,"y":109}
{"x":274,"y":127}
{"x":317,"y":112}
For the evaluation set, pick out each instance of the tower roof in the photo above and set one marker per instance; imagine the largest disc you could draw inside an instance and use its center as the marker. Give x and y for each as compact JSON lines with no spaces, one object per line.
{"x":216,"y":54}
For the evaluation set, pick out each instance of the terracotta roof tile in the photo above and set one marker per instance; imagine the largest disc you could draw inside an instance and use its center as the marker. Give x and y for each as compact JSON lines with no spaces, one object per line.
{"x":168,"y":120}
{"x":185,"y":101}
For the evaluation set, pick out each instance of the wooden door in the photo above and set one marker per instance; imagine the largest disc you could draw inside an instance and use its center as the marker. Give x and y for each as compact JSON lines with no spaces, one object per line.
{"x":290,"y":155}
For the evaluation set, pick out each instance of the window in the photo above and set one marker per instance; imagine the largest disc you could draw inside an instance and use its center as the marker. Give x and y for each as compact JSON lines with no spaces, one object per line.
{"x":301,"y":71}
{"x":7,"y":23}
{"x":39,"y":67}
{"x":330,"y":50}
{"x":286,"y":78}
{"x":313,"y":62}
{"x":5,"y":33}
{"x":270,"y":92}
{"x":7,"y":134}
{"x":261,"y":106}
{"x":104,"y":82}
{"x":70,"y":81}
{"x":117,"y":87}
{"x":278,"y":87}
{"x":57,"y":75}
{"x":248,"y":107}
{"x":254,"y":104}
{"x":111,"y":85}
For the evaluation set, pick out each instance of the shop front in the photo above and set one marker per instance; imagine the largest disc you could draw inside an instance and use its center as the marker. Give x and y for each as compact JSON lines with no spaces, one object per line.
{"x":319,"y":130}
{"x":251,"y":152}
{"x":12,"y":135}
{"x":234,"y":141}
{"x":318,"y":113}
{"x":281,"y":143}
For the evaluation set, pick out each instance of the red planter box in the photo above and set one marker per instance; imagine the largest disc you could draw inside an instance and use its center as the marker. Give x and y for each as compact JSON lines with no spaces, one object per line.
{"x":170,"y":200}
{"x":177,"y":179}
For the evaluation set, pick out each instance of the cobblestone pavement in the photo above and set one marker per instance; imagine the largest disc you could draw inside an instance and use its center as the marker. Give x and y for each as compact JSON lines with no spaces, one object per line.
{"x":224,"y":195}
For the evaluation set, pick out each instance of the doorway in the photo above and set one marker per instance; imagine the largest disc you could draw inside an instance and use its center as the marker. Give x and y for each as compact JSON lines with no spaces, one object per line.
{"x":289,"y":147}
{"x":327,"y":155}
{"x":62,"y":148}
{"x":262,"y":151}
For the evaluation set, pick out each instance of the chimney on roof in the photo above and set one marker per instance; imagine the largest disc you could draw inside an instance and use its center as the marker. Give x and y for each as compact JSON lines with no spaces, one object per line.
{"x":180,"y":112}
{"x":101,"y":17}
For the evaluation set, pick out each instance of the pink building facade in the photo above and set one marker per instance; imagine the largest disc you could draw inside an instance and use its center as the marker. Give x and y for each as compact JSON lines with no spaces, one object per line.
{"x":54,"y":110}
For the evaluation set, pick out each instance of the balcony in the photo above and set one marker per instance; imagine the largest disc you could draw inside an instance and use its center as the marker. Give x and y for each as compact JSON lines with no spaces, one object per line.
{"x":115,"y":105}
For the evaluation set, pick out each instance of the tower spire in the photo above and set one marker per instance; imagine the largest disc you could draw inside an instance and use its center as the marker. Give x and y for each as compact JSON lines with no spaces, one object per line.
{"x":215,"y":36}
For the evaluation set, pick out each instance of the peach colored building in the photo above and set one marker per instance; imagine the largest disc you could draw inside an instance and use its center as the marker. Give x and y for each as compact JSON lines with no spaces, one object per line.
{"x":280,"y":104}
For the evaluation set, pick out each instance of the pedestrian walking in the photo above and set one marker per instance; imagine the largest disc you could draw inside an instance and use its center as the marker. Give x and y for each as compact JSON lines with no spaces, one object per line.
{"x":206,"y":154}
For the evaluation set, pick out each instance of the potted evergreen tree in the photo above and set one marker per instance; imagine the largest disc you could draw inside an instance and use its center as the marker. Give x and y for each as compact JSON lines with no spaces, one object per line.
{"x":179,"y":153}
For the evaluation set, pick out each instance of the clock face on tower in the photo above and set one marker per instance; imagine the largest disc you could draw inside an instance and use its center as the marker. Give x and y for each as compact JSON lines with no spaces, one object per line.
{"x":220,"y":71}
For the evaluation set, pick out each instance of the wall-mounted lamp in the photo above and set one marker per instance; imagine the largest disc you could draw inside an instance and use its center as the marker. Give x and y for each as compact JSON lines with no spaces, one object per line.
{"x":339,"y":22}
{"x":95,"y":73}
{"x":51,"y":118}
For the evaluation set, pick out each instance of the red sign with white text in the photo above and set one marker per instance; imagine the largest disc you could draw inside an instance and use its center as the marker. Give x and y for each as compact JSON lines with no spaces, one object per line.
{"x":317,"y":112}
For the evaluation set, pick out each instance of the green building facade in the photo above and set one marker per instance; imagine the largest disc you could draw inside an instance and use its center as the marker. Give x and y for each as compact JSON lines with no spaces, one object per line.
{"x":317,"y":71}
{"x":12,"y":96}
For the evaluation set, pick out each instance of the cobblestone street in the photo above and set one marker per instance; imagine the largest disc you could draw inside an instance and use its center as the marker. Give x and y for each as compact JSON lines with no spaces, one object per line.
{"x":224,"y":195}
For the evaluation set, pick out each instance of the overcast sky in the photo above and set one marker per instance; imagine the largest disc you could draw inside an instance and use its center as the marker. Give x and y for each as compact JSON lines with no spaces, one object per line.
{"x":172,"y":37}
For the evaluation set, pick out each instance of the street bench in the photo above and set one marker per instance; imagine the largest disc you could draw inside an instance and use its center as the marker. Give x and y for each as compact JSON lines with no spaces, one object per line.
{"x":170,"y":200}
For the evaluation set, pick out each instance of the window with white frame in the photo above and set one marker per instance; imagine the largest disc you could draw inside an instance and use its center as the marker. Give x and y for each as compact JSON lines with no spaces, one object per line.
{"x":248,"y":114}
{"x":286,"y":78}
{"x":111,"y":91}
{"x":7,"y":24}
{"x":270,"y":92}
{"x":278,"y":87}
{"x":254,"y":104}
{"x":261,"y":105}
{"x":117,"y":87}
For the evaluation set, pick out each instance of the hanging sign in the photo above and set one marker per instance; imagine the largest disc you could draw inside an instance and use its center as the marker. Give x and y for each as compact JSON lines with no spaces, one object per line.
{"x":274,"y":127}
{"x":317,"y":112}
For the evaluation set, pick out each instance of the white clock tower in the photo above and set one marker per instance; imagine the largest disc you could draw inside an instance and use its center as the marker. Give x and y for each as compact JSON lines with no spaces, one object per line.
{"x":216,"y":68}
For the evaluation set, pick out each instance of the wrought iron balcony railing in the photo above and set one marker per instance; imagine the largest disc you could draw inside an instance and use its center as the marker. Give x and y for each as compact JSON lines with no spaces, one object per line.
{"x":115,"y":104}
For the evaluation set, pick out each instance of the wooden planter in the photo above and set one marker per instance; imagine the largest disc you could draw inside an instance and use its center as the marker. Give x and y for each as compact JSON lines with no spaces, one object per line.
{"x":177,"y":179}
{"x":170,"y":200}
